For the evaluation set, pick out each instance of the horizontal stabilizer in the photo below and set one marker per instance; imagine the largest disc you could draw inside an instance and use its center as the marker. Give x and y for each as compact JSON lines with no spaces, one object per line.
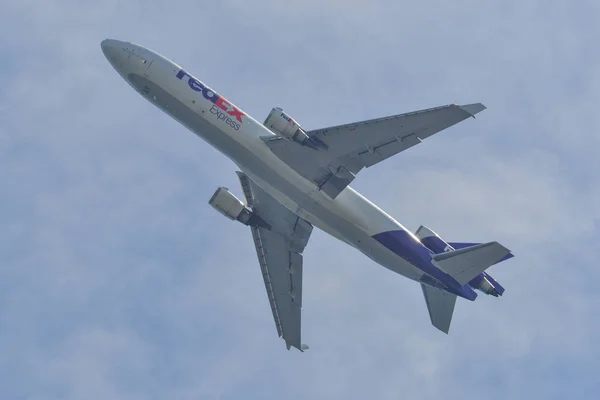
{"x":440,"y":305}
{"x":465,"y":264}
{"x":460,"y":245}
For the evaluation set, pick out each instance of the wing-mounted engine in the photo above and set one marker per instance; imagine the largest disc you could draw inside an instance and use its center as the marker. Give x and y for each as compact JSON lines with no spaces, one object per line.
{"x":285,"y":126}
{"x":230,"y":206}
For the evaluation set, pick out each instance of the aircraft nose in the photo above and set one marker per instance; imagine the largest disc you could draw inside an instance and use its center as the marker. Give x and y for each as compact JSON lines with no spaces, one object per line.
{"x":113,"y":51}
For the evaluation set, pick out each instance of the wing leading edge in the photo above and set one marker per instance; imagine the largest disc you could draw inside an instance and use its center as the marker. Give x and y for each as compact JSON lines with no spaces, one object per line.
{"x":346,"y":149}
{"x":279,"y":252}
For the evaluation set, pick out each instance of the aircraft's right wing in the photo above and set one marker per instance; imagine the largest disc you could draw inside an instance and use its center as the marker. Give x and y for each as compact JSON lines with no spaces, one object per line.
{"x":345,"y":149}
{"x":279,"y":255}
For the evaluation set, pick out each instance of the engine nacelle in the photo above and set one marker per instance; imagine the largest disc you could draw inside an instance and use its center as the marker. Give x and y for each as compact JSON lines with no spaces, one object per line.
{"x":482,"y":283}
{"x":285,"y":126}
{"x":227,"y":204}
{"x":233,"y":208}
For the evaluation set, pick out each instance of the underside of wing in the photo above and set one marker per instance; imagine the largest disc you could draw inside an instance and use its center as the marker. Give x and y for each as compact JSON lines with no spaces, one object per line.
{"x":345,"y":149}
{"x":282,"y":273}
{"x":279,"y":249}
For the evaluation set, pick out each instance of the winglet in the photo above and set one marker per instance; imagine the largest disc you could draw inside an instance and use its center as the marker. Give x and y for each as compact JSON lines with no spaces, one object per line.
{"x":473,"y":109}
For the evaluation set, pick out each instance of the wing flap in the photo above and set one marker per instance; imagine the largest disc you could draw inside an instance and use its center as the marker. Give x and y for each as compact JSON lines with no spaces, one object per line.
{"x":295,"y":271}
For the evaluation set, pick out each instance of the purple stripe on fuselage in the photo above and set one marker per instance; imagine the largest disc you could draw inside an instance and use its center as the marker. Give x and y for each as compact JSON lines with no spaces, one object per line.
{"x":406,"y":246}
{"x":434,"y":244}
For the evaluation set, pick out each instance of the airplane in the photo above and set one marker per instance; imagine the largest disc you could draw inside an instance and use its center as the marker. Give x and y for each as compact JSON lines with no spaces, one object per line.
{"x":295,"y":179}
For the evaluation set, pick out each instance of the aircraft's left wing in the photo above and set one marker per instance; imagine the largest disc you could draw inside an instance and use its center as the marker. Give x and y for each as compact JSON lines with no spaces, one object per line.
{"x":279,"y":251}
{"x":339,"y":152}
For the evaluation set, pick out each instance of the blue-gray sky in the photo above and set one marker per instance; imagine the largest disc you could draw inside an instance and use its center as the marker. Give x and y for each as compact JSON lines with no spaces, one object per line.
{"x":117,"y":280}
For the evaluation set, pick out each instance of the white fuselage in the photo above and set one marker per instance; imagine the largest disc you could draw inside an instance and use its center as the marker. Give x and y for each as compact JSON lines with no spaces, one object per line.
{"x":349,"y":217}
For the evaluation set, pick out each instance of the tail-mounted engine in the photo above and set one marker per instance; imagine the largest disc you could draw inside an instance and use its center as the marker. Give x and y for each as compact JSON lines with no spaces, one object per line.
{"x":285,"y":126}
{"x":230,"y":206}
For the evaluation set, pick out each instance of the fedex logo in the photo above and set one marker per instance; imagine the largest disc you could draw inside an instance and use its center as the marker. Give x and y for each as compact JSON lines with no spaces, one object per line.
{"x":288,"y":119}
{"x":222,"y":108}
